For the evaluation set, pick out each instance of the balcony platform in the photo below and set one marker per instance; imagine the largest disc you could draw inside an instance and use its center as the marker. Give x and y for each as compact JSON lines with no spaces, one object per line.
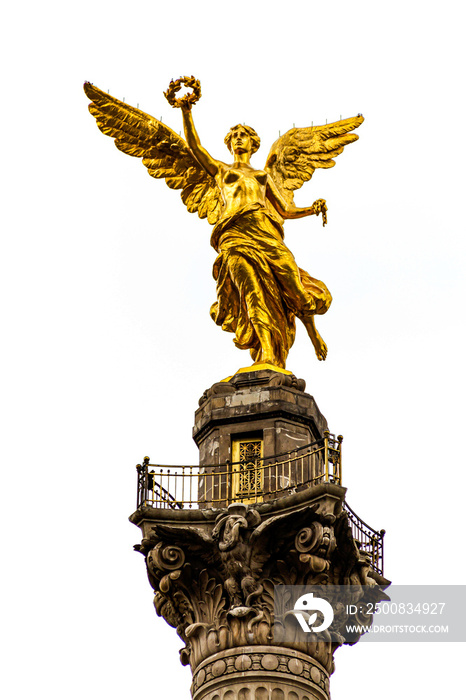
{"x":263,"y":444}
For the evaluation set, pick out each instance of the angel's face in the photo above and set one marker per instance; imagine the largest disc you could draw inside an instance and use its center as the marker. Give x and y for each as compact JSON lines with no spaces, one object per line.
{"x":240,"y":141}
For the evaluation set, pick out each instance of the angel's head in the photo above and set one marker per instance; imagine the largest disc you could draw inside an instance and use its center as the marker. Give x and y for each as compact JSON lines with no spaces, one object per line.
{"x":242,"y":138}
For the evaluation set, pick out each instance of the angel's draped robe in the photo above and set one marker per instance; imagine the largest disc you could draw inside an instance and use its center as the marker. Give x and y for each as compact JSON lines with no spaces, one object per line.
{"x":259,"y":283}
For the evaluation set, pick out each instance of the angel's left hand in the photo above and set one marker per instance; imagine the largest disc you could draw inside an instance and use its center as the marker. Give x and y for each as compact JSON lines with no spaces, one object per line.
{"x":320,"y":207}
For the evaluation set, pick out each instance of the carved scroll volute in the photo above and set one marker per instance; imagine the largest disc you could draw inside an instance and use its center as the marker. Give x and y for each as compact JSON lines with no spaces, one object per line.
{"x":165,"y":558}
{"x":315,"y":545}
{"x":168,"y":558}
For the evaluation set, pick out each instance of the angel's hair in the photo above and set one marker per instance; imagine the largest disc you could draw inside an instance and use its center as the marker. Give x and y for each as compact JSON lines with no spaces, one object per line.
{"x":255,"y":140}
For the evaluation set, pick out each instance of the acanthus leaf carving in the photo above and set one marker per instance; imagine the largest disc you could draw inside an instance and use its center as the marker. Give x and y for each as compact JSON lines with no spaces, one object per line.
{"x":215,"y":584}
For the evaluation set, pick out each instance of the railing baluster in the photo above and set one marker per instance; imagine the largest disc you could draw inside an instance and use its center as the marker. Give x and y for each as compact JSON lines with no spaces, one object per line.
{"x":340,"y":440}
{"x":326,"y":436}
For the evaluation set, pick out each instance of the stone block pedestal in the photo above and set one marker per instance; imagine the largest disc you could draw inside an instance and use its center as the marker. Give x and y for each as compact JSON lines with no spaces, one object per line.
{"x":213,"y":570}
{"x":264,"y":403}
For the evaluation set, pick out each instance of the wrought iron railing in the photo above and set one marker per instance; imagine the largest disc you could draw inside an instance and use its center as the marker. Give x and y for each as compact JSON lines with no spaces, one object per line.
{"x":177,"y":487}
{"x":162,"y":486}
{"x":369,"y":540}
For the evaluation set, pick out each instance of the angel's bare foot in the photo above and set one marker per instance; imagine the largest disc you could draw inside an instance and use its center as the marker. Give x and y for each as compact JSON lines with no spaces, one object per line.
{"x":268,"y":361}
{"x":319,"y":346}
{"x":265,"y":361}
{"x":317,"y":341}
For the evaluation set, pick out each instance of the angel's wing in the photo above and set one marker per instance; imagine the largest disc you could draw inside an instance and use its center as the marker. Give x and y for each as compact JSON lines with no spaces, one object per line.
{"x":163,"y":152}
{"x":295,"y":155}
{"x":269,"y":537}
{"x":198,"y":542}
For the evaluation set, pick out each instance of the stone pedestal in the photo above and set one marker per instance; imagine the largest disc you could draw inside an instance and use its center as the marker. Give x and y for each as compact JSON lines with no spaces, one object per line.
{"x":213,"y":569}
{"x":267,"y":414}
{"x":265,"y":403}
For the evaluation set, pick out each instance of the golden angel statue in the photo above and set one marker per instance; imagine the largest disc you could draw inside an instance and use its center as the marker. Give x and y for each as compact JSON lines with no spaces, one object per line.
{"x":260,"y":288}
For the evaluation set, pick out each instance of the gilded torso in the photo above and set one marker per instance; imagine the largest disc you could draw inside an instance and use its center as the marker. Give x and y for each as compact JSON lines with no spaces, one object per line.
{"x":241,"y":186}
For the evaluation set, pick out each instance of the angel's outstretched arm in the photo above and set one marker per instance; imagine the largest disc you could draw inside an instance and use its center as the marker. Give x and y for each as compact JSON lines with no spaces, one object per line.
{"x":286,"y":210}
{"x":199,"y":152}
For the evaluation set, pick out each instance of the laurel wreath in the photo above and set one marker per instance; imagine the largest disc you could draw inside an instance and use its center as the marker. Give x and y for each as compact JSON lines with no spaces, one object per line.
{"x":188,"y":100}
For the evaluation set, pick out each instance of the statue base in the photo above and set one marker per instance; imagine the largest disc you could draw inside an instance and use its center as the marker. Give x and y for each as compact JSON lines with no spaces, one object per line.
{"x":264,"y":508}
{"x":257,"y":368}
{"x":258,"y":403}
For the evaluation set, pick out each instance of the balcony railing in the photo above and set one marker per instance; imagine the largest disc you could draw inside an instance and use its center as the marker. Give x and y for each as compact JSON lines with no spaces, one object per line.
{"x":178,"y":487}
{"x":162,"y":486}
{"x":369,"y":540}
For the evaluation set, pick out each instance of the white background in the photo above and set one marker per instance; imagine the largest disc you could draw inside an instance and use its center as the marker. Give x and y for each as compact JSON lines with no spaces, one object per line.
{"x":106,"y":287}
